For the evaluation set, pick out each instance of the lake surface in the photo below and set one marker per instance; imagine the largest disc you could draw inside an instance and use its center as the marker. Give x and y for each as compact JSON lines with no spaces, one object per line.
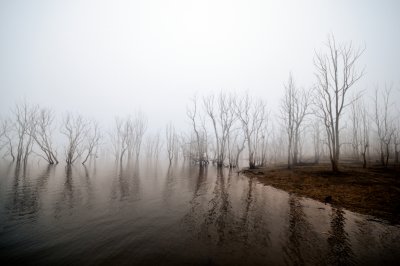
{"x":149,"y":214}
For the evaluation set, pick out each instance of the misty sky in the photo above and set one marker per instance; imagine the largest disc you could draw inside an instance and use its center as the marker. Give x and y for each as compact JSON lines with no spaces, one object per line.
{"x":106,"y":58}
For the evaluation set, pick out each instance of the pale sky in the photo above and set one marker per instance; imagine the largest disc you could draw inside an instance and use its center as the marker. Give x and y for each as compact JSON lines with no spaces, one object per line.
{"x":107,"y":58}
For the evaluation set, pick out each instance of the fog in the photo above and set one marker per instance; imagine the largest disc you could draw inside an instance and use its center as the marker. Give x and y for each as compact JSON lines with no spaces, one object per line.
{"x":115,"y":75}
{"x":103,"y":59}
{"x":199,"y":132}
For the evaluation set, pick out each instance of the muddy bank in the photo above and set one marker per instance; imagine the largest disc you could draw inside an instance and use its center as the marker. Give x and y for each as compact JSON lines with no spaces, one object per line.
{"x":374,"y":191}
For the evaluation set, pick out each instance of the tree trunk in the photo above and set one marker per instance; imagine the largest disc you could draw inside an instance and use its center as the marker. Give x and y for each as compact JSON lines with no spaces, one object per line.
{"x":364,"y":156}
{"x":335,"y":166}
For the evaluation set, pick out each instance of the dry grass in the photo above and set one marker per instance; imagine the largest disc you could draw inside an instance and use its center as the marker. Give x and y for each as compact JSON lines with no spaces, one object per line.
{"x":373,"y":191}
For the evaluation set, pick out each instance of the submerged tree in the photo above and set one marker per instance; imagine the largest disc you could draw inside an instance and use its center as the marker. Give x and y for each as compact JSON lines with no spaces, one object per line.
{"x":43,"y":135}
{"x":171,"y":141}
{"x":236,"y":144}
{"x":92,"y":140}
{"x":199,"y":149}
{"x":7,"y":139}
{"x":252,"y":116}
{"x":336,"y":74}
{"x":137,"y":126}
{"x":115,"y":138}
{"x":24,"y":129}
{"x":153,"y":146}
{"x":221,"y":112}
{"x":75,"y":128}
{"x":127,"y":136}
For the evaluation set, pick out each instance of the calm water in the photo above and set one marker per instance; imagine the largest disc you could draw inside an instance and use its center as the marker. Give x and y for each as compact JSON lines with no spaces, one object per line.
{"x":146,"y":214}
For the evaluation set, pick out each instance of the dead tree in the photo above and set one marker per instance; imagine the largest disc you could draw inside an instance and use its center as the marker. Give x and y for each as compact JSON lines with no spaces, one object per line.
{"x":134,"y":129}
{"x":43,"y":135}
{"x":3,"y":129}
{"x":115,"y":138}
{"x":396,"y":142}
{"x":263,"y":142}
{"x":301,"y":110}
{"x":7,"y":138}
{"x":278,"y":138}
{"x":360,"y":130}
{"x":124,"y":135}
{"x":138,"y":129}
{"x":384,"y":124}
{"x":316,"y":140}
{"x":92,"y":139}
{"x":24,"y":127}
{"x":252,"y":115}
{"x":221,"y":112}
{"x":236,"y":144}
{"x":153,"y":145}
{"x":170,"y":141}
{"x":364,"y":139}
{"x":199,"y":155}
{"x":336,"y":74}
{"x":287,"y":115}
{"x":75,"y":128}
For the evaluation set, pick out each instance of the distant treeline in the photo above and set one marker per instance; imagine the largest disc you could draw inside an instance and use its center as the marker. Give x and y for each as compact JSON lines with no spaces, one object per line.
{"x":327,"y":121}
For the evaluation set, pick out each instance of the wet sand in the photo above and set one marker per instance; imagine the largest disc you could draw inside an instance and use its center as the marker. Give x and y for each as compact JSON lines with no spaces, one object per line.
{"x":373,"y":191}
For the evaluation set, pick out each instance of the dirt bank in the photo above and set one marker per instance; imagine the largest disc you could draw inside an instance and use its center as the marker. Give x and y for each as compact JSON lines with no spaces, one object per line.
{"x":373,"y":191}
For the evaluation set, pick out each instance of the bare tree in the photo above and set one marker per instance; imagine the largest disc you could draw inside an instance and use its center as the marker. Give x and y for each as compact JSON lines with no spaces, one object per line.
{"x":301,"y":110}
{"x":277,"y":142}
{"x":92,"y":139}
{"x":115,"y":138}
{"x":336,"y":74}
{"x":384,"y":124}
{"x":127,"y":136}
{"x":24,"y":126}
{"x":3,"y":130}
{"x":124,"y":134}
{"x":153,"y":145}
{"x":221,"y":112}
{"x":135,"y":128}
{"x":263,"y":142}
{"x":316,"y":140}
{"x":74,"y":127}
{"x":360,"y":130}
{"x":43,"y":135}
{"x":236,"y":144}
{"x":171,"y":141}
{"x":6,"y":141}
{"x":396,"y":142}
{"x":200,"y":135}
{"x":287,"y":112}
{"x":6,"y":129}
{"x":294,"y":108}
{"x":252,"y":115}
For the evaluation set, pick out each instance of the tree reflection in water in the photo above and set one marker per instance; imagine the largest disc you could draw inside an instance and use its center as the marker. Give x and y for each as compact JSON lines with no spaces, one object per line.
{"x":339,"y":251}
{"x":303,"y":246}
{"x":124,"y":214}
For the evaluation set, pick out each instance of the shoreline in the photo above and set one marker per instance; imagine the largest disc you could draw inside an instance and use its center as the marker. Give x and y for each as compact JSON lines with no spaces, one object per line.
{"x":372,"y":191}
